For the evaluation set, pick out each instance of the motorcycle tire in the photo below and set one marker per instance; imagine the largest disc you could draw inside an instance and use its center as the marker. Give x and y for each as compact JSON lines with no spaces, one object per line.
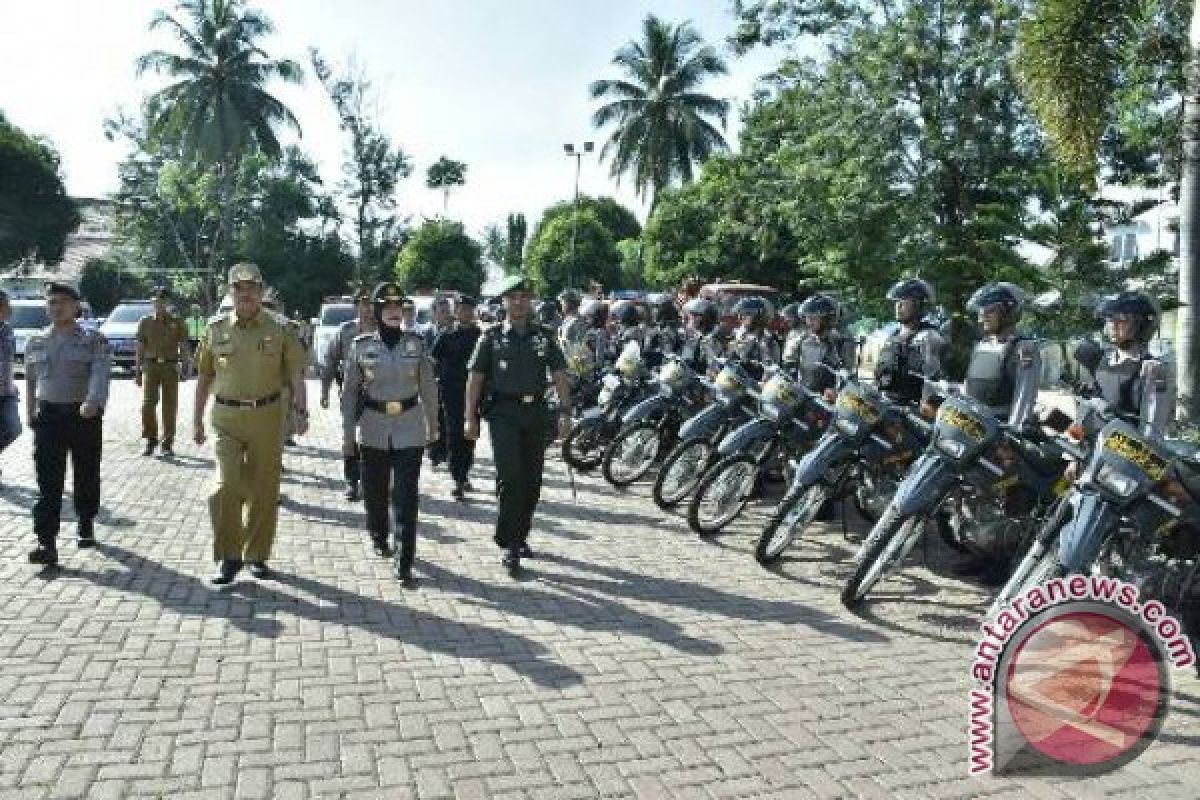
{"x":882,"y":547}
{"x":681,"y":470}
{"x":1036,"y":568}
{"x":579,"y":451}
{"x":742,"y":468}
{"x":645,"y":442}
{"x":793,"y":516}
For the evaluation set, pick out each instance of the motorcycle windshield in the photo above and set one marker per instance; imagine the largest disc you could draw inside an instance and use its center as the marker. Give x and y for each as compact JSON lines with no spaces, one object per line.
{"x":963,"y":428}
{"x":1125,"y":464}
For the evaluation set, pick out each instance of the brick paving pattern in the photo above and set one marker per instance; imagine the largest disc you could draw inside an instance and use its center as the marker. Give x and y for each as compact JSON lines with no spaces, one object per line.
{"x":634,"y":660}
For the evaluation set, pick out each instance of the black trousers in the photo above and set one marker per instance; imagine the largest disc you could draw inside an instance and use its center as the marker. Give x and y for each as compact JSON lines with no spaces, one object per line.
{"x":518,"y":434}
{"x":460,"y":450}
{"x":394,"y":475}
{"x":437,"y":449}
{"x":352,"y":466}
{"x":58,"y":430}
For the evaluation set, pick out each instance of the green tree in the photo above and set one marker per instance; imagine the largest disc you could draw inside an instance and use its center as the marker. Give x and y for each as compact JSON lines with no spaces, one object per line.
{"x":619,"y":220}
{"x":661,"y":117}
{"x":105,"y":284}
{"x":1073,"y":57}
{"x":514,"y":243}
{"x":549,"y":263}
{"x":35,"y":213}
{"x":217,"y":107}
{"x":444,"y":175}
{"x":440,"y":255}
{"x":372,"y":169}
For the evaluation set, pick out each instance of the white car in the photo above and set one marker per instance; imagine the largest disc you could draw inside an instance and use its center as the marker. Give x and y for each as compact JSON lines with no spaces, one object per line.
{"x":28,"y":317}
{"x":329,"y":319}
{"x":120,"y":329}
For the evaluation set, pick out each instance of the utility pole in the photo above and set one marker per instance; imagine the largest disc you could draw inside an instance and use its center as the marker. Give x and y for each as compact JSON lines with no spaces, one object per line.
{"x":571,"y":152}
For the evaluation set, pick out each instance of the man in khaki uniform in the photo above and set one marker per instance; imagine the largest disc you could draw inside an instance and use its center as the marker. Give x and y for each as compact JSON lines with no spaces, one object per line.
{"x":246,"y":359}
{"x":163,"y":357}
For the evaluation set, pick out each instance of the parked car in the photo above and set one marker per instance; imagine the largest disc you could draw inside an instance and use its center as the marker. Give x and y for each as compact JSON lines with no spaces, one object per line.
{"x":28,"y":317}
{"x":120,"y":329}
{"x":334,"y":311}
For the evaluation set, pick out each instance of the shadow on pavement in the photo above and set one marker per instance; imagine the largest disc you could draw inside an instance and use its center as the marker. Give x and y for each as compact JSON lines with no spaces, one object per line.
{"x":251,"y":606}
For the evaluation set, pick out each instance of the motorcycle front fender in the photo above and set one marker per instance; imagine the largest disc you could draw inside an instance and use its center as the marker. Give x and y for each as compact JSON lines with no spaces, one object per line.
{"x":925,"y":485}
{"x":746,"y":436}
{"x":652,"y":409}
{"x":1084,"y":536}
{"x":831,"y":449}
{"x":705,"y":424}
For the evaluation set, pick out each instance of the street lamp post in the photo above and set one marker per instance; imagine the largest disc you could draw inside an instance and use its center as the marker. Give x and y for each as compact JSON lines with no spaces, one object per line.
{"x":571,"y":152}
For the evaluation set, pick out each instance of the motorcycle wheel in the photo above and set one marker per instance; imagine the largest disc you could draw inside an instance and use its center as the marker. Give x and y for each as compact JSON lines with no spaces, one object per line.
{"x":884,"y":547}
{"x":722,"y":493}
{"x":680,"y":472}
{"x":793,"y":515}
{"x":632,"y":454}
{"x":873,"y":491}
{"x":1039,"y":565}
{"x":583,"y":448}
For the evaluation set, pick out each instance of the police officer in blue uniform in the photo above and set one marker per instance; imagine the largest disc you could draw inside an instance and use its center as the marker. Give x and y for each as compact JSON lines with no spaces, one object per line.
{"x":507,"y":384}
{"x":913,"y":353}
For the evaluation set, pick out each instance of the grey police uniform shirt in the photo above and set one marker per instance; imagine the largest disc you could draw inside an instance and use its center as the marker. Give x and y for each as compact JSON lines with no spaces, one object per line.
{"x":8,"y":352}
{"x":339,"y":348}
{"x":758,"y":346}
{"x":69,"y":366}
{"x":386,"y":374}
{"x":988,"y":364}
{"x":1157,"y":402}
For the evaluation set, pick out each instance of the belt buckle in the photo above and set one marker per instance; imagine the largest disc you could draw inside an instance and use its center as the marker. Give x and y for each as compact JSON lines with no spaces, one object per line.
{"x":393,"y":408}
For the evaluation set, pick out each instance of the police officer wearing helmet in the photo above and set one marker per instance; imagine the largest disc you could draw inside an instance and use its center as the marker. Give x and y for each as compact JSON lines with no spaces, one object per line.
{"x":664,"y":337}
{"x":332,"y":370}
{"x":391,"y":369}
{"x":508,"y":383}
{"x":795,"y":334}
{"x":701,"y":349}
{"x":593,"y":348}
{"x":914,"y":349}
{"x":1006,"y":366}
{"x":628,"y":319}
{"x":753,"y":342}
{"x":1138,"y":386}
{"x":822,"y":348}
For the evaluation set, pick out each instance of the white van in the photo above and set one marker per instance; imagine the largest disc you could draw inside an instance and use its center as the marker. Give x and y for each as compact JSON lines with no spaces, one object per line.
{"x":28,"y":317}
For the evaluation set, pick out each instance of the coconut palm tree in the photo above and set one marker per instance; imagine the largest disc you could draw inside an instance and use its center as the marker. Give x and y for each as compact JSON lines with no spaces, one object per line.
{"x":662,"y":119}
{"x":1069,"y":60}
{"x":216,"y":108}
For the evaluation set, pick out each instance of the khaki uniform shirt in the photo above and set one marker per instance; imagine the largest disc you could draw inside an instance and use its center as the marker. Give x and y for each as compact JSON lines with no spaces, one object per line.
{"x":160,"y":338}
{"x":70,"y":366}
{"x":249,"y":359}
{"x":387,"y":374}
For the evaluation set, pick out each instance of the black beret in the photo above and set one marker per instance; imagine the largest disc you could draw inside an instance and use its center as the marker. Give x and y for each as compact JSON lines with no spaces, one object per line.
{"x":58,"y":287}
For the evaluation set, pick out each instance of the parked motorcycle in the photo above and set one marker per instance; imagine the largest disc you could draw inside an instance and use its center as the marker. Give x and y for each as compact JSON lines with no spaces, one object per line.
{"x":789,"y":417}
{"x":864,"y":454}
{"x":651,"y":427}
{"x":989,"y":481}
{"x":1132,"y":511}
{"x":621,"y":387}
{"x":734,"y":400}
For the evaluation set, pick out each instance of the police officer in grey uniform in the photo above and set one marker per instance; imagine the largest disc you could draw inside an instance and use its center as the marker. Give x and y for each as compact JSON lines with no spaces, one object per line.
{"x":914,"y":352}
{"x":66,"y":389}
{"x":392,"y":370}
{"x":574,"y":326}
{"x":1004,"y":374}
{"x":331,"y":370}
{"x":1137,"y":386}
{"x":753,"y":343}
{"x":700,"y":349}
{"x":821,"y":349}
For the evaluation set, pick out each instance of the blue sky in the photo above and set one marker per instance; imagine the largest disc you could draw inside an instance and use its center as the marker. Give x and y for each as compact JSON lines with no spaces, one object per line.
{"x":499,"y":85}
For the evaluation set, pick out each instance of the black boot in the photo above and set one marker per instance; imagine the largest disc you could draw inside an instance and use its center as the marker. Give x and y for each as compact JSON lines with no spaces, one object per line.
{"x":228,"y":570}
{"x":46,"y":556}
{"x":149,"y":451}
{"x":512,"y":561}
{"x":380,"y":543}
{"x":352,"y":492}
{"x":86,"y":533}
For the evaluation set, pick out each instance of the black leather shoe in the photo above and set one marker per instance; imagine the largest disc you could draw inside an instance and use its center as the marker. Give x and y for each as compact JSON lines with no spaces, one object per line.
{"x":260,"y":570}
{"x":47,"y":556}
{"x":86,"y":533}
{"x":525,"y":551}
{"x":381,"y":547}
{"x":406,"y":579}
{"x":512,"y":562}
{"x":459,"y":493}
{"x":227,"y":572}
{"x":352,"y":492}
{"x":167,"y":449}
{"x":467,"y":487}
{"x":149,"y":450}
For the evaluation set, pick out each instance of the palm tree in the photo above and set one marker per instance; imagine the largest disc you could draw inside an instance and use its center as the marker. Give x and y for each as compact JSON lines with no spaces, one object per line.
{"x":1069,"y":61}
{"x":661,"y":117}
{"x":216,"y":109}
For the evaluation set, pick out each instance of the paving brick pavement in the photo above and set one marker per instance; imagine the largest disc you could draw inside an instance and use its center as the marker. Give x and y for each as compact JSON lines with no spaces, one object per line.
{"x":634,"y":660}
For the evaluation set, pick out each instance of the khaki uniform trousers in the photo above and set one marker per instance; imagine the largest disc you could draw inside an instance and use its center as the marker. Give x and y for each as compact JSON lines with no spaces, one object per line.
{"x":244,"y":506}
{"x":159,"y":379}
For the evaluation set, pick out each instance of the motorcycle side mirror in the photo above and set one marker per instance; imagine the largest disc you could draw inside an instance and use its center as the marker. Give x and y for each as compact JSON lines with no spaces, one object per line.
{"x":1088,"y":353}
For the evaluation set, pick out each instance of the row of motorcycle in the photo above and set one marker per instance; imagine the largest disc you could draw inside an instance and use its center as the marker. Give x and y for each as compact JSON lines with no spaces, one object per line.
{"x":1128,"y":507}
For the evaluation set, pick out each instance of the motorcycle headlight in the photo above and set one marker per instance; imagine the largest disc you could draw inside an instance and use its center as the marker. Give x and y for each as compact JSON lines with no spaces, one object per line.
{"x":950,"y":447}
{"x":772,"y":411}
{"x":847,"y":426}
{"x":1115,"y":482}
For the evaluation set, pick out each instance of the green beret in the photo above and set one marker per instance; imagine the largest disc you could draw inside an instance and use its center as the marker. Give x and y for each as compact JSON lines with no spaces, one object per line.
{"x":513,"y":283}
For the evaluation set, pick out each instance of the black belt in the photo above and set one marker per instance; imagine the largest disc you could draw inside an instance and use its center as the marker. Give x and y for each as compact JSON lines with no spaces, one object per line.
{"x":524,"y":399}
{"x":393,"y":408}
{"x":259,"y":403}
{"x":46,"y":405}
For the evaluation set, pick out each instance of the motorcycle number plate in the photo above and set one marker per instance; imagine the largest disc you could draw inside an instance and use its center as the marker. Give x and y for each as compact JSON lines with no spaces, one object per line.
{"x":1136,"y":452}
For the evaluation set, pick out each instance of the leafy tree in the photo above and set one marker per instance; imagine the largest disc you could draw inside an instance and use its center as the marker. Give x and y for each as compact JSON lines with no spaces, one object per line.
{"x":104,"y":284}
{"x":440,"y":255}
{"x":35,"y":213}
{"x":514,"y":243}
{"x":570,"y":251}
{"x":661,"y":117}
{"x":372,"y":169}
{"x":494,"y":243}
{"x":217,"y":108}
{"x":445,"y":174}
